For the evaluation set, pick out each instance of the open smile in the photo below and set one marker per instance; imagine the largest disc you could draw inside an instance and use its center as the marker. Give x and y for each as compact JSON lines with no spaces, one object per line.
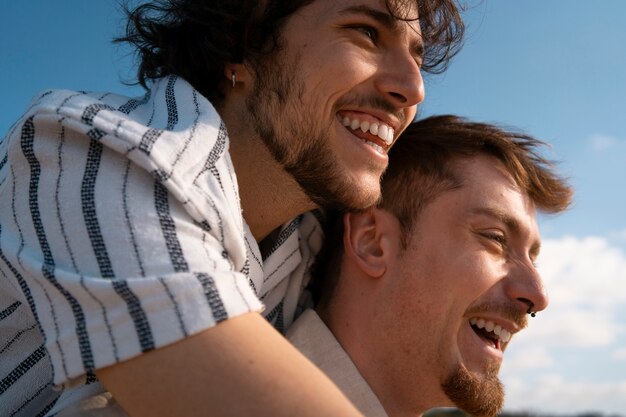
{"x":376,"y":134}
{"x":491,"y":332}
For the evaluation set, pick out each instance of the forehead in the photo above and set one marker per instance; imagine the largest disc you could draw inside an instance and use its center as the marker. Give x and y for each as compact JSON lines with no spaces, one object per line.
{"x":488,"y":188}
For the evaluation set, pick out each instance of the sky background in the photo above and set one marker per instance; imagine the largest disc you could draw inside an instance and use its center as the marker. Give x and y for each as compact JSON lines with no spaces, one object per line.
{"x":556,"y":69}
{"x":553,"y":68}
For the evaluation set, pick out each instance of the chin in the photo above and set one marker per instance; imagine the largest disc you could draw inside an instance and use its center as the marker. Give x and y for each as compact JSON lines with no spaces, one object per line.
{"x":362,"y":200}
{"x":479,"y":394}
{"x":363,"y":192}
{"x":343,"y":194}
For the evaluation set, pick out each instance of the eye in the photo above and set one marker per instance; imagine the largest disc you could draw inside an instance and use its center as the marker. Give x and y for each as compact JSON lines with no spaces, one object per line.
{"x":496,"y":237}
{"x":533,"y":260}
{"x":368,"y":31}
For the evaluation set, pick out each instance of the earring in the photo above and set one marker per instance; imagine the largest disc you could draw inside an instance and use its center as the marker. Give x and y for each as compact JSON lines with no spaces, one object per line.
{"x":233,"y":78}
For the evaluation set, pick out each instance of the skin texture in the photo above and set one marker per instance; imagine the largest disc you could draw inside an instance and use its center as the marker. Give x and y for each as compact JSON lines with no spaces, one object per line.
{"x":355,"y":64}
{"x":470,"y":255}
{"x":243,"y":368}
{"x":279,"y":118}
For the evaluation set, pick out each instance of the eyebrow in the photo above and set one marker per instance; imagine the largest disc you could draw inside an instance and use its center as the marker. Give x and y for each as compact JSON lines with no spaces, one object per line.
{"x":387,"y":20}
{"x":510,"y":222}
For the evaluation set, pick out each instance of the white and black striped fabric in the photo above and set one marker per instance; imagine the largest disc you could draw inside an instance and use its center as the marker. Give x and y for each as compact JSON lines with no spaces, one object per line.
{"x":121,"y":232}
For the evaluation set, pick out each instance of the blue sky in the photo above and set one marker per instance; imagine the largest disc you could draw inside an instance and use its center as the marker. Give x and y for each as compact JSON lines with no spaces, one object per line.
{"x":555,"y":69}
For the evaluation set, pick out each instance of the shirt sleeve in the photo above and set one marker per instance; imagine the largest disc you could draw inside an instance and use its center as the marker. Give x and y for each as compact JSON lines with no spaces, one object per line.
{"x":115,"y":251}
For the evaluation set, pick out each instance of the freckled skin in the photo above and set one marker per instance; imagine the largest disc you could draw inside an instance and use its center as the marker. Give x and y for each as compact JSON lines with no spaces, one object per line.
{"x":417,"y":348}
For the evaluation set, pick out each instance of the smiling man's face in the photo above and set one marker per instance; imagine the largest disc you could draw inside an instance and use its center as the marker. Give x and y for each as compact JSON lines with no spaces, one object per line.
{"x":344,"y":85}
{"x":459,"y":291}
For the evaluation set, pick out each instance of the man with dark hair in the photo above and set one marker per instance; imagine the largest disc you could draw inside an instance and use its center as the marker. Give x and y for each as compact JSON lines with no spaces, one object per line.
{"x":141,"y":238}
{"x":420,"y":296}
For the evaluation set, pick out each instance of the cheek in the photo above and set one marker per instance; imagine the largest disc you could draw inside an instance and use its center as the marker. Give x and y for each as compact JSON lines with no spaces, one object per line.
{"x":420,"y":300}
{"x":477,"y":271}
{"x":421,"y":336}
{"x":339,"y":72}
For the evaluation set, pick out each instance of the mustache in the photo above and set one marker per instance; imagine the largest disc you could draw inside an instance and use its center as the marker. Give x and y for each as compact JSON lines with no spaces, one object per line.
{"x":373,"y":102}
{"x":509,"y":311}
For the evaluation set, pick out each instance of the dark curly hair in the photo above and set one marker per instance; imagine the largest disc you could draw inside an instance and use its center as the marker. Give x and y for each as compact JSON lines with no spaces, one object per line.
{"x":195,"y":39}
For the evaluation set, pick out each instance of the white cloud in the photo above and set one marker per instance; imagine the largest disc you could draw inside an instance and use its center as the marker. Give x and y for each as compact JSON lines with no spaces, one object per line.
{"x":586,"y":282}
{"x":545,"y":366}
{"x":618,"y":236}
{"x":580,"y":327}
{"x":586,"y":272}
{"x":601,"y":143}
{"x":620,"y":354}
{"x":552,"y":393}
{"x":519,"y":361}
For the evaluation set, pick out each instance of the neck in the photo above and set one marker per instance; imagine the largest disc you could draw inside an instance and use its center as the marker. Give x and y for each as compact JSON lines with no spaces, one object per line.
{"x":348,"y":316}
{"x":269,"y":196}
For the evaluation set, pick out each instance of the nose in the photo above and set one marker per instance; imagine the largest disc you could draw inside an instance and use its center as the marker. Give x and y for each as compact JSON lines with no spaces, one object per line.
{"x":525,"y":285}
{"x":401,"y":80}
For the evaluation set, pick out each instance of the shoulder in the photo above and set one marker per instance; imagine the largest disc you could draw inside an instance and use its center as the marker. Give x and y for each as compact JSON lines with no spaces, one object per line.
{"x":172,"y":132}
{"x":170,"y":108}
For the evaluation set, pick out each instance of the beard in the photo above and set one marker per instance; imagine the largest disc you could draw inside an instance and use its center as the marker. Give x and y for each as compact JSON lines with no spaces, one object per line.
{"x":298,"y":141}
{"x":478,"y":395}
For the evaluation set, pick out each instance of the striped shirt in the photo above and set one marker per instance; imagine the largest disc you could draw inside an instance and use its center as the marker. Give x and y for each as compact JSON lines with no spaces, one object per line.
{"x":121,"y":232}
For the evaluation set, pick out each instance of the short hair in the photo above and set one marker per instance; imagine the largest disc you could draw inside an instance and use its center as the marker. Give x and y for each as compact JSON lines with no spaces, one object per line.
{"x":422,"y":166}
{"x":195,"y":39}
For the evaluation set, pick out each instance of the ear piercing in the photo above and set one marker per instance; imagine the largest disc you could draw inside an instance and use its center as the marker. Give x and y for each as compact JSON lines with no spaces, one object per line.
{"x":233,"y":78}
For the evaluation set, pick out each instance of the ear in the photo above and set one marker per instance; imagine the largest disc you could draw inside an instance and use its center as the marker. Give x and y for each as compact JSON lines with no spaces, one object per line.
{"x":241,"y":74}
{"x":371,"y":239}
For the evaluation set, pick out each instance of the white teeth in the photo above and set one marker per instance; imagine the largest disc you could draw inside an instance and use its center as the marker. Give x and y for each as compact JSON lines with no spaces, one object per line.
{"x":503,"y":334}
{"x":375,"y":146}
{"x":383,"y":131}
{"x":374,"y":129}
{"x":386,"y":134}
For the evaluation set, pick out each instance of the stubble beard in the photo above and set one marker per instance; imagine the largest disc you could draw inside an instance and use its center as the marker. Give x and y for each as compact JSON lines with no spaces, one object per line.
{"x":298,"y":142}
{"x":478,"y":395}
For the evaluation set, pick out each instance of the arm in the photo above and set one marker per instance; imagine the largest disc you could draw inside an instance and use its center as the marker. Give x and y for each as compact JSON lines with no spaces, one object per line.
{"x":134,"y":279}
{"x":240,"y":367}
